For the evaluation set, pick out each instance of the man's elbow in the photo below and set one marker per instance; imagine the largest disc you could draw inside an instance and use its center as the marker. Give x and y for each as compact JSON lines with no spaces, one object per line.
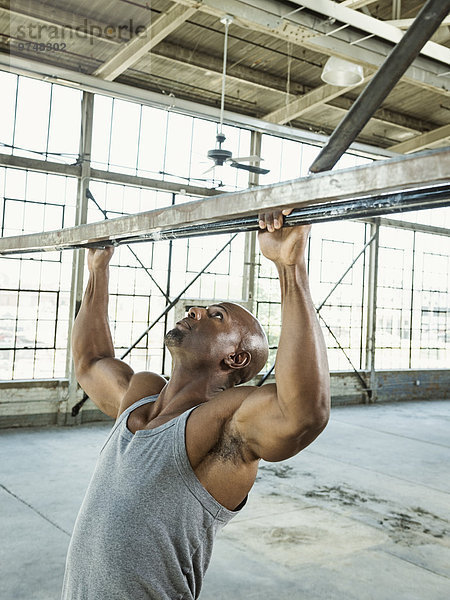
{"x":317,"y":420}
{"x":311,"y":419}
{"x":321,"y":413}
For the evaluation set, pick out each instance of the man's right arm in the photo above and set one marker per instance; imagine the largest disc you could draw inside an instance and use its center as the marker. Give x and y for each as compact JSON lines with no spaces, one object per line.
{"x":104,"y":378}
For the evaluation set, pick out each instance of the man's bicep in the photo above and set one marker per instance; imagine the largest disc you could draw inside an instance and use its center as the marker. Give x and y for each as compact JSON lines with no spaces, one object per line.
{"x":269,"y":434}
{"x":106,"y":381}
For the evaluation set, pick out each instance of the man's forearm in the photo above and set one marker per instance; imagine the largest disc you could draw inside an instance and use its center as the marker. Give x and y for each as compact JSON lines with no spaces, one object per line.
{"x":302,"y":372}
{"x":91,"y":336}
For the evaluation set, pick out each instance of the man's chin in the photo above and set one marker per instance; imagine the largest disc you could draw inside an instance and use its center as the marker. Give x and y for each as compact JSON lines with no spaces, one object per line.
{"x":174,"y":337}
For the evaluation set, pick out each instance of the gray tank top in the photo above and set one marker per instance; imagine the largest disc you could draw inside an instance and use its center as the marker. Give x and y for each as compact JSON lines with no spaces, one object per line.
{"x":146,"y":527}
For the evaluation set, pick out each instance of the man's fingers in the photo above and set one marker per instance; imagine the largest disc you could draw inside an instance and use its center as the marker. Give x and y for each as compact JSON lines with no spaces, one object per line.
{"x":271,"y":220}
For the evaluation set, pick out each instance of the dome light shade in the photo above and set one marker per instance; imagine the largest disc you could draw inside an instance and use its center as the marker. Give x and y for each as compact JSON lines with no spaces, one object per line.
{"x":342,"y":72}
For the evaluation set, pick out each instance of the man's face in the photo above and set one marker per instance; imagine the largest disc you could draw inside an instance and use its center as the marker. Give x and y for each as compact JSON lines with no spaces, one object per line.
{"x":210,"y":333}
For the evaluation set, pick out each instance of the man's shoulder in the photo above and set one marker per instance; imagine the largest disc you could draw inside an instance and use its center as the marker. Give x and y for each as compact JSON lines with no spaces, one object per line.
{"x":143,"y":384}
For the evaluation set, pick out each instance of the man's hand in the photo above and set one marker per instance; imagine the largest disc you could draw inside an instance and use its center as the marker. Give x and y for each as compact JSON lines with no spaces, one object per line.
{"x":285,"y":246}
{"x":98,"y":258}
{"x":273,"y":219}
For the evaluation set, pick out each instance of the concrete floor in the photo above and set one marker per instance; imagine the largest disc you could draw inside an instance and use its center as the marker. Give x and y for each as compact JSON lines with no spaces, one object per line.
{"x":363,"y":514}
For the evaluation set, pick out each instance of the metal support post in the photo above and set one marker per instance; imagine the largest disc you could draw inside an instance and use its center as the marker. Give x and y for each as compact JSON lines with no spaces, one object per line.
{"x":167,"y":295}
{"x":372,"y":309}
{"x":76,"y":293}
{"x":248,"y":282}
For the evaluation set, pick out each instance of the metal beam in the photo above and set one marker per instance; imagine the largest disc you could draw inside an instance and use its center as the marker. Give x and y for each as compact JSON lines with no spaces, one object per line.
{"x":309,"y":101}
{"x":410,"y":226}
{"x":153,"y":184}
{"x":371,"y":25}
{"x":163,"y":26}
{"x":386,"y":116}
{"x":40,"y":166}
{"x":372,"y":309}
{"x":379,"y":188}
{"x":45,"y":166}
{"x":208,"y":63}
{"x":382,"y":83}
{"x":420,"y":142}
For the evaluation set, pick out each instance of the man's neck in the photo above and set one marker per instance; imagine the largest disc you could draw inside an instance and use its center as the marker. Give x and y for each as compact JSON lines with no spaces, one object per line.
{"x":188,"y":388}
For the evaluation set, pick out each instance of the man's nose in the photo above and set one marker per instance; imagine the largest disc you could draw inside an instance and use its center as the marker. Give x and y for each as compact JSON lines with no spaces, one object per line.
{"x":195,"y":312}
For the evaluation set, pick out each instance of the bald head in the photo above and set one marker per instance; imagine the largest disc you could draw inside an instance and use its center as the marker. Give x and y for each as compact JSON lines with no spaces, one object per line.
{"x":252,"y":340}
{"x":222,"y":341}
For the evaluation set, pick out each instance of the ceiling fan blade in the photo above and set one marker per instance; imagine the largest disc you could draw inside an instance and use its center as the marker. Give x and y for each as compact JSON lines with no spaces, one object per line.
{"x":252,"y":158}
{"x":250,"y":168}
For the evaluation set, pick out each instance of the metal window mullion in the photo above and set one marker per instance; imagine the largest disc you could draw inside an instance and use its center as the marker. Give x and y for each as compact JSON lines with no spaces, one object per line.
{"x":168,"y":284}
{"x":372,"y":307}
{"x":363,"y":291}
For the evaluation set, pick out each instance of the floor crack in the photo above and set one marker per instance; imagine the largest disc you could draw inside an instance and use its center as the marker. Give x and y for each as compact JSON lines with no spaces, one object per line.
{"x":38,"y":512}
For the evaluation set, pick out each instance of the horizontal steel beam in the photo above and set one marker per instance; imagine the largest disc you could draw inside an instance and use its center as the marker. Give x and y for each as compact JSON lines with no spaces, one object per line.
{"x":408,"y":225}
{"x":397,"y":185}
{"x":46,"y":166}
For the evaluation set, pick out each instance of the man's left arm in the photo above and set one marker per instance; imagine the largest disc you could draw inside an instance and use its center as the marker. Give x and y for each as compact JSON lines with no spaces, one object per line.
{"x":277,"y":421}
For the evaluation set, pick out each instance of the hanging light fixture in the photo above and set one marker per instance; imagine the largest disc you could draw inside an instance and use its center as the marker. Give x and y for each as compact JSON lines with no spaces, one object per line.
{"x":342,"y":72}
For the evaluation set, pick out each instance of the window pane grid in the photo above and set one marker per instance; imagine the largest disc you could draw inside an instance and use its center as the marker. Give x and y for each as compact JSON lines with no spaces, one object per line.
{"x":35,"y":288}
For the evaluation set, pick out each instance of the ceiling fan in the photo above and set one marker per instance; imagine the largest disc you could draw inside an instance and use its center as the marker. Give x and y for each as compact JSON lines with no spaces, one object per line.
{"x":219,"y":155}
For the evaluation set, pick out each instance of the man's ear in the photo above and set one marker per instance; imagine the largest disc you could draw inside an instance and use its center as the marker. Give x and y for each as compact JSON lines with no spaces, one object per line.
{"x":238,"y":360}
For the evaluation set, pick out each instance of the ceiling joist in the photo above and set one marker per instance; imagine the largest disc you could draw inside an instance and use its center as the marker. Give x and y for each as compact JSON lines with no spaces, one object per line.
{"x":420,"y":142}
{"x":133,"y":50}
{"x":309,"y":101}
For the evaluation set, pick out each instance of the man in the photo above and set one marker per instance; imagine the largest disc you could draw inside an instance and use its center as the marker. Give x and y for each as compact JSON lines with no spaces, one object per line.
{"x":183,"y":455}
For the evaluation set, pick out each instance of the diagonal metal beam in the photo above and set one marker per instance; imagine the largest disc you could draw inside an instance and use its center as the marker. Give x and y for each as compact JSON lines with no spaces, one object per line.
{"x":299,"y":106}
{"x":378,"y":188}
{"x":423,"y":141}
{"x":163,"y":26}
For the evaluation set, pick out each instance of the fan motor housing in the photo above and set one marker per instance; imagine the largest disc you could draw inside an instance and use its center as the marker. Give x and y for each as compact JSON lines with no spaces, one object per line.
{"x":219,"y":156}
